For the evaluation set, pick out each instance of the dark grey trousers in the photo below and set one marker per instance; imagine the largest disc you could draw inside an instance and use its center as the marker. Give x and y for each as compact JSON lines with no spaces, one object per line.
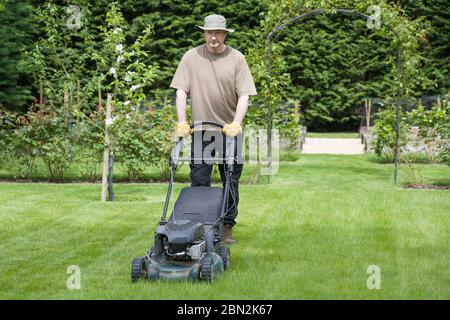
{"x":201,"y":173}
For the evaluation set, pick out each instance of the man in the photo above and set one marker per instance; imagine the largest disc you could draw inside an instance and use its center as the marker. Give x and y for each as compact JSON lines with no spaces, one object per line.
{"x":218,"y":81}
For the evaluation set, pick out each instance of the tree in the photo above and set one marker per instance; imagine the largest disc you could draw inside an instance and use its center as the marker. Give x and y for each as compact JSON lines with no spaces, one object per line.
{"x":16,"y":32}
{"x":335,"y":63}
{"x":327,"y":73}
{"x":436,"y":47}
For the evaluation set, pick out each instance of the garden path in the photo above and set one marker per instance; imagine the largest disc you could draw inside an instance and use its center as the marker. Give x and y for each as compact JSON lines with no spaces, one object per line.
{"x":333,"y":146}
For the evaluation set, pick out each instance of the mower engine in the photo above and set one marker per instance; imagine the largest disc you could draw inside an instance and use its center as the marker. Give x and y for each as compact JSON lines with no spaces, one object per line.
{"x":183,"y":252}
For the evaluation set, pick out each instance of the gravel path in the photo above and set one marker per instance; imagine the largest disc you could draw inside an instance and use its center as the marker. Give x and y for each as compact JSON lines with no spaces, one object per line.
{"x":333,"y":146}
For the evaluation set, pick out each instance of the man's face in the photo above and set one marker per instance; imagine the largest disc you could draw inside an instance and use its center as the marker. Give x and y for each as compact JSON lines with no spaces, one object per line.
{"x":215,"y":38}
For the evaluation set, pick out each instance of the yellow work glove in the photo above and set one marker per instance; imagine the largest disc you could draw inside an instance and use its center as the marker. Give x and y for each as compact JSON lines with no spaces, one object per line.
{"x":232,"y":129}
{"x":182,"y":129}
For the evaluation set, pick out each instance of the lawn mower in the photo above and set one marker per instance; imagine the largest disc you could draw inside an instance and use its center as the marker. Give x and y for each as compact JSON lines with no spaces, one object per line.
{"x":189,"y":246}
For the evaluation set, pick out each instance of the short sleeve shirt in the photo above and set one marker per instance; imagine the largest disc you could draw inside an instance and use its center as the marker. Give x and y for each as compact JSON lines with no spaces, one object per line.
{"x":214,"y":82}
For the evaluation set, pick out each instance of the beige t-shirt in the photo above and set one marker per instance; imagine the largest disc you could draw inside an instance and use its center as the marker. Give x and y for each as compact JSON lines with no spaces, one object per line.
{"x":214,"y":82}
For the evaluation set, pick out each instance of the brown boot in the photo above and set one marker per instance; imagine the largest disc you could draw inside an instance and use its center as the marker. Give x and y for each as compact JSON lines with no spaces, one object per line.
{"x":228,"y":234}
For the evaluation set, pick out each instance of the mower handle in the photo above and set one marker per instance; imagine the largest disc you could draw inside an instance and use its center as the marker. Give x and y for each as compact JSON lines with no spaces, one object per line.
{"x":175,"y":156}
{"x":202,"y":123}
{"x":229,"y":149}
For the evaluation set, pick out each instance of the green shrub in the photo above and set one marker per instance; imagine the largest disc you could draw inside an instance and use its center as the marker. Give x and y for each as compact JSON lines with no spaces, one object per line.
{"x":90,"y":140}
{"x":289,"y":122}
{"x":430,"y":123}
{"x":143,"y":139}
{"x":7,"y":126}
{"x":48,"y":136}
{"x":434,"y":128}
{"x":384,"y":132}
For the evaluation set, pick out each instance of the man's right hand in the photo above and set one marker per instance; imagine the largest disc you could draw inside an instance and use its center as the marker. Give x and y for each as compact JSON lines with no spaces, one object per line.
{"x":183,"y":129}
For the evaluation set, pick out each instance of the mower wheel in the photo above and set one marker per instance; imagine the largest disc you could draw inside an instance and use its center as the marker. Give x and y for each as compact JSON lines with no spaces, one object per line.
{"x":224,"y":253}
{"x":207,"y":269}
{"x":138,"y":269}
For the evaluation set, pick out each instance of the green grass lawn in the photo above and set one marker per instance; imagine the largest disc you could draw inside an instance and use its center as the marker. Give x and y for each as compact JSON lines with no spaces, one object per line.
{"x":309,"y":234}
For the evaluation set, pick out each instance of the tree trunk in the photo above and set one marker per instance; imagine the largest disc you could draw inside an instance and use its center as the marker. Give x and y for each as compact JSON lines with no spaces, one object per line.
{"x":106,"y":149}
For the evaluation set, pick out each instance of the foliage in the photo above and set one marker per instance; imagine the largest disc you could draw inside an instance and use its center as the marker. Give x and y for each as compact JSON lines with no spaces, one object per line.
{"x":138,"y":139}
{"x":444,"y":148}
{"x":90,"y":140}
{"x":128,"y":74}
{"x":384,"y":131}
{"x":321,"y":81}
{"x":436,"y":45}
{"x":433,"y":132}
{"x":25,"y":144}
{"x":132,"y":47}
{"x":163,"y":121}
{"x":62,"y":56}
{"x":16,"y":32}
{"x":48,"y":136}
{"x":132,"y":145}
{"x":57,"y":133}
{"x":333,"y":61}
{"x":7,"y":126}
{"x":429,"y":123}
{"x":257,"y":115}
{"x":434,"y":127}
{"x":289,"y":122}
{"x":143,"y":139}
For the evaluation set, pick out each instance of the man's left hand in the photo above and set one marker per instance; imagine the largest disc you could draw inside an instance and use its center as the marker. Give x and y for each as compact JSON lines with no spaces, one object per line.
{"x":232,"y":129}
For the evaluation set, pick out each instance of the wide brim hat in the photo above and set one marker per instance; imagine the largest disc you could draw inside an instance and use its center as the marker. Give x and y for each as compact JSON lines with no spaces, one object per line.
{"x":215,"y":22}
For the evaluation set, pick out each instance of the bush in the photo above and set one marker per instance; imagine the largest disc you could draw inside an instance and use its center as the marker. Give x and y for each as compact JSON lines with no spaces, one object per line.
{"x":290,"y":127}
{"x":90,"y":138}
{"x":384,"y":132}
{"x":433,"y":132}
{"x":431,"y":124}
{"x":7,"y":126}
{"x":143,"y":139}
{"x":45,"y":135}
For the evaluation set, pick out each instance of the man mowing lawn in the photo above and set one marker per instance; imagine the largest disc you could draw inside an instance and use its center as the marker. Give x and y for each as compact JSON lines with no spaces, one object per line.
{"x":218,"y":81}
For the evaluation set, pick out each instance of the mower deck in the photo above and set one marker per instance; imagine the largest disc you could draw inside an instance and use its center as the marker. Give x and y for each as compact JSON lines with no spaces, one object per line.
{"x":160,"y":268}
